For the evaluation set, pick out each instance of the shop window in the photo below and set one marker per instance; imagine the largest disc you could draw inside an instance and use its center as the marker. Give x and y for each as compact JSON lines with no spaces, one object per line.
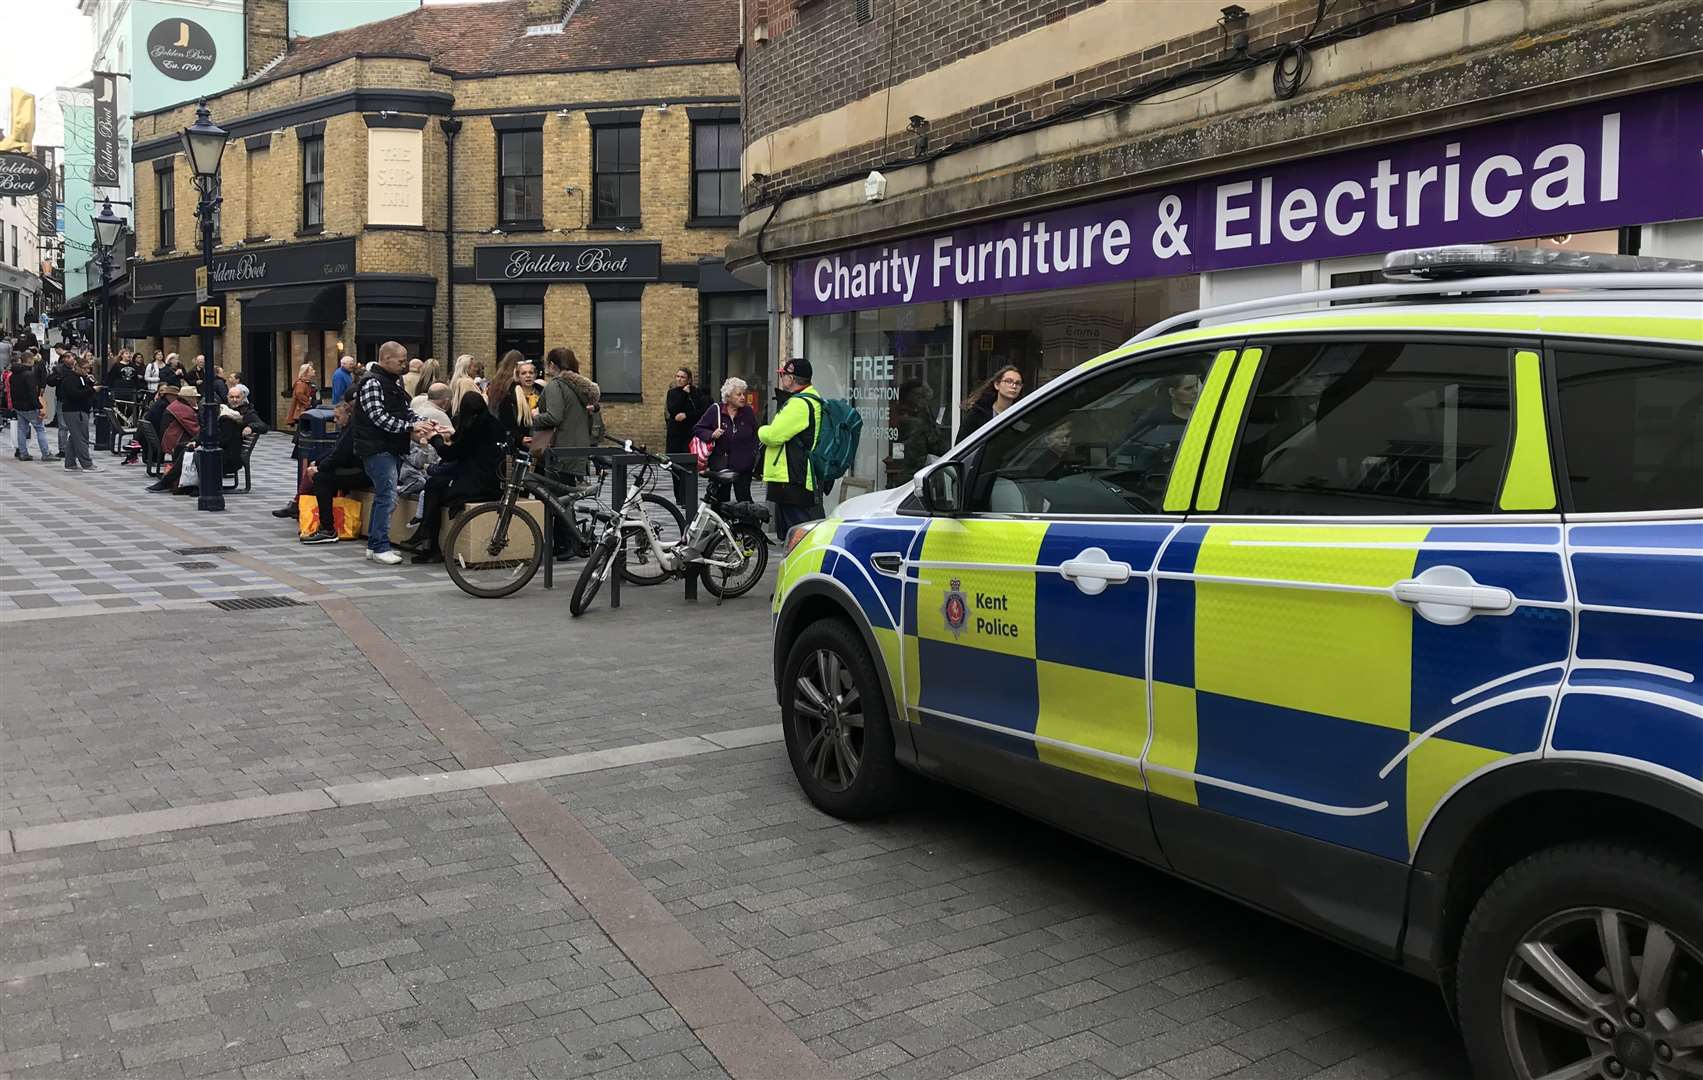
{"x":1373,"y":427}
{"x":616,"y":346}
{"x":715,"y":169}
{"x":1045,"y":334}
{"x":1632,"y":428}
{"x":313,"y":183}
{"x":521,"y":178}
{"x":165,"y":180}
{"x":615,"y":174}
{"x":1102,"y":446}
{"x":894,"y":365}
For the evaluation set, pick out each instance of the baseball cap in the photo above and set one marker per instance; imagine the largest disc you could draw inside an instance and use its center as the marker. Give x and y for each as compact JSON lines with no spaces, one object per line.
{"x":798,"y":368}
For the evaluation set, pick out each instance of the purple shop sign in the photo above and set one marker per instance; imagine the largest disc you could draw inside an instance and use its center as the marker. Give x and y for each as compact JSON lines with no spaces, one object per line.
{"x":1626,"y":161}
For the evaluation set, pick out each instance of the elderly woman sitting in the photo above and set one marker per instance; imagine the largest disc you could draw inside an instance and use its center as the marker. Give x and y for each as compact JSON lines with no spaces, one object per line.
{"x":731,"y":430}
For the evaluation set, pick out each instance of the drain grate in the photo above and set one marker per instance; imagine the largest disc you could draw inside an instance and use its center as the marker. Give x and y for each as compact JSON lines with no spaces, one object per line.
{"x":217,"y":549}
{"x":255,"y":603}
{"x":197,"y":566}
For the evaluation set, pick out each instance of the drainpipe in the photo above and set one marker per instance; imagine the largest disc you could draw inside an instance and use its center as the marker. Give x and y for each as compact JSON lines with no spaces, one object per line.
{"x":451,"y":128}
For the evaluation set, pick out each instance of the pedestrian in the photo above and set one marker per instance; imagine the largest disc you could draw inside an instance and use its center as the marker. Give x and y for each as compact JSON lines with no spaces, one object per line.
{"x":172,"y":373}
{"x":566,"y":408}
{"x":680,"y":411}
{"x":25,"y":399}
{"x":383,"y":426}
{"x":919,"y":435}
{"x":60,"y":371}
{"x":342,"y":381}
{"x":151,"y":373}
{"x":221,"y":385}
{"x":991,"y":398}
{"x":500,"y":395}
{"x":473,"y":459}
{"x":411,"y":380}
{"x":787,"y":443}
{"x":468,"y":373}
{"x":76,"y":401}
{"x":156,"y":414}
{"x":730,"y":429}
{"x":182,"y":428}
{"x":340,"y":470}
{"x":303,"y":394}
{"x":433,"y":405}
{"x":432,"y":371}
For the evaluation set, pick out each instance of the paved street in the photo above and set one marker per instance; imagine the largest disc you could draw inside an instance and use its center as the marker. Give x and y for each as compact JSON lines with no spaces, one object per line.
{"x":389,"y":830}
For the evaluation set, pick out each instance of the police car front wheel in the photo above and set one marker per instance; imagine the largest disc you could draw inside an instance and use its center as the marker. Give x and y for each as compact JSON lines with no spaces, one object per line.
{"x":836,"y":723}
{"x":1586,"y":961}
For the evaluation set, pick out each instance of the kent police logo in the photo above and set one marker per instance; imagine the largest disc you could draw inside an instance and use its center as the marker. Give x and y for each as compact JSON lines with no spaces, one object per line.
{"x":956,"y":609}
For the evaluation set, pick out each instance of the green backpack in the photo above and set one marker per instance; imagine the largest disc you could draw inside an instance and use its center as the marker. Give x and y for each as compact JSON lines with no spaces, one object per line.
{"x":836,"y":445}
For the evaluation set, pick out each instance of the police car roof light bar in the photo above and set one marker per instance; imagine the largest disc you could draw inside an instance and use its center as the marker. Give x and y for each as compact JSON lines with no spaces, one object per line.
{"x":1461,"y":261}
{"x":1454,"y":289}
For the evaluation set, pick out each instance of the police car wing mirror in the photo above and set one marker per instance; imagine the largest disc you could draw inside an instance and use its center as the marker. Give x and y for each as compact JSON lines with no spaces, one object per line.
{"x":942,"y":489}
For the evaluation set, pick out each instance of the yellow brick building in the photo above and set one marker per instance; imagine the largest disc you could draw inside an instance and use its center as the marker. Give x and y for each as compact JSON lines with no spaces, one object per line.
{"x":522,"y":175}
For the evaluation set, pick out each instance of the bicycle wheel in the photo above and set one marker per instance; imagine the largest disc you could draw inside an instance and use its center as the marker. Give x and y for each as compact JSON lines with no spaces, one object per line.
{"x":487,"y":564}
{"x":591,"y":576}
{"x":727,"y":584}
{"x":643,"y":567}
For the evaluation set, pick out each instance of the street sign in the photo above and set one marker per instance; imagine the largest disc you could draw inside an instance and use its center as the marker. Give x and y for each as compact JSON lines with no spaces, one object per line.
{"x":201,"y":293}
{"x":210,"y":317}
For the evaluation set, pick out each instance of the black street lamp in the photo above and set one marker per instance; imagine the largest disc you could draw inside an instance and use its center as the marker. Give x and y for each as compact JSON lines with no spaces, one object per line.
{"x":108,"y":228}
{"x":204,"y":145}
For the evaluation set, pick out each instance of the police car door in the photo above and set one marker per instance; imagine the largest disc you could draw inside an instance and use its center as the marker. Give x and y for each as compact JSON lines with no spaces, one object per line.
{"x":1368,"y":608}
{"x":1029,"y":614}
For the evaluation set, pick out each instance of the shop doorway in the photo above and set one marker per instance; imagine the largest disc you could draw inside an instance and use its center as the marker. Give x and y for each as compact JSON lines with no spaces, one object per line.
{"x":259,"y":371}
{"x":520,"y":327}
{"x":739,"y":350}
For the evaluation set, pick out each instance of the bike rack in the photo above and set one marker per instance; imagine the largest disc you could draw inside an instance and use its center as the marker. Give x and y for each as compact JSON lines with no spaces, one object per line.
{"x":685,"y":496}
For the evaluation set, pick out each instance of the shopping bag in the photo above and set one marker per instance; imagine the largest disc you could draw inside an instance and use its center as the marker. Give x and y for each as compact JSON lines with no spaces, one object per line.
{"x":345,"y":510}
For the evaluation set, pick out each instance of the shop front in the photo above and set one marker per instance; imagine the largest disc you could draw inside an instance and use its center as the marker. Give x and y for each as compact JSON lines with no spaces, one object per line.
{"x":911,"y":330}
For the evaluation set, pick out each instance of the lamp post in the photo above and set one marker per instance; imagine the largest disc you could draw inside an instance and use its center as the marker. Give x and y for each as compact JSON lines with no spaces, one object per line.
{"x":204,"y":145}
{"x":108,"y":228}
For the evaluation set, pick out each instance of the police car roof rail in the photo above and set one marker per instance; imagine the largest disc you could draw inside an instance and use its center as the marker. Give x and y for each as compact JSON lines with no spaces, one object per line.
{"x":1457,"y":288}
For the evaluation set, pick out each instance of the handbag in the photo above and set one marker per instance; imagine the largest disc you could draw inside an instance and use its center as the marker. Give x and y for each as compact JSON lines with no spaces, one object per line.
{"x":701,"y":448}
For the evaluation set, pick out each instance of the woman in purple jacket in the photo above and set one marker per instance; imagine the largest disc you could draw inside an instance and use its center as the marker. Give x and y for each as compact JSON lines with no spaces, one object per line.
{"x":731,"y":428}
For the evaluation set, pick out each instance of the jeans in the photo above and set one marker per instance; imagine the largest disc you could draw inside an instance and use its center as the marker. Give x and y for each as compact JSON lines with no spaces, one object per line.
{"x":27,"y":419}
{"x":75,"y":427}
{"x":381,"y":470}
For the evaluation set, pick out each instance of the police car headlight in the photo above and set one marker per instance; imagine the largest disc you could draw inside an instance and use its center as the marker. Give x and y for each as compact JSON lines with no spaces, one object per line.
{"x":797,"y":534}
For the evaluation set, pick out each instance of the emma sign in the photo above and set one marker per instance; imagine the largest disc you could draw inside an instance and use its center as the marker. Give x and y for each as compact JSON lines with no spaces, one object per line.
{"x":1628,"y":161}
{"x":568,"y":262}
{"x":21,"y":174}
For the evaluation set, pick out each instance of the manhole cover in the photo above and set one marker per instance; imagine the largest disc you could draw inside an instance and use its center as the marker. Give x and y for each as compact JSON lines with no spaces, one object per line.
{"x":256,"y":603}
{"x":217,"y":549}
{"x":197,"y":566}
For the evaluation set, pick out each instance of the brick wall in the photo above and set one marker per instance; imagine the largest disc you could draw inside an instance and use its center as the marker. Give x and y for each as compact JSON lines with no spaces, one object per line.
{"x":266,"y":26}
{"x":828,"y":48}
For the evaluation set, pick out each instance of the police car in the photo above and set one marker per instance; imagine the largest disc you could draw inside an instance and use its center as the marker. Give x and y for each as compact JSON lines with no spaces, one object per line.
{"x":1380,"y":609}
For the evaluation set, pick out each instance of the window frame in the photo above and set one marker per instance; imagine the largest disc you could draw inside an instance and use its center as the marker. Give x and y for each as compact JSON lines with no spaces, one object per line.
{"x":698,"y":217}
{"x":599,"y":126}
{"x":532,"y":224}
{"x":1558,"y":436}
{"x":307,"y":141}
{"x":165,"y":189}
{"x":972,"y":455}
{"x":619,"y":395}
{"x":1509,"y":344}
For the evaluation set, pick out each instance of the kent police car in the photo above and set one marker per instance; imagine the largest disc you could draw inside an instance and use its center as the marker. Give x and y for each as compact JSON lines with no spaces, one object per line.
{"x":1384,"y":617}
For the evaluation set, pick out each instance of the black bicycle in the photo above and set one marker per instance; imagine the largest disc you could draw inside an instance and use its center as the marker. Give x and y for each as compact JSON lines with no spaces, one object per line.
{"x":492,"y":550}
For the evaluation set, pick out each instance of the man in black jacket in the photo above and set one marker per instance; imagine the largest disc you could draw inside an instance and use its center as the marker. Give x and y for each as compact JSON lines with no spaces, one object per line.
{"x":76,"y":401}
{"x":384,"y":424}
{"x":25,"y":392}
{"x":337,"y":471}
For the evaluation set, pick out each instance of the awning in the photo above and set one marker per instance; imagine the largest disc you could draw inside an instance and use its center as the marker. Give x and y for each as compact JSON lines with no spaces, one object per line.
{"x":143,"y":318}
{"x":302,"y":307}
{"x":180,"y":318}
{"x":388,"y":322}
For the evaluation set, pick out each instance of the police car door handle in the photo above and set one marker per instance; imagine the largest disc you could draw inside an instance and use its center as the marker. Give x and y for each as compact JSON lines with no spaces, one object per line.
{"x":1449,"y":595}
{"x":890,"y":563}
{"x":1092,"y":570}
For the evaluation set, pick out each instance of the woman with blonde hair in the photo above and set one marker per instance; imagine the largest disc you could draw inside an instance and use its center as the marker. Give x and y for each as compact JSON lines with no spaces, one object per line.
{"x":302,"y":395}
{"x":468,"y":372}
{"x":430,"y":372}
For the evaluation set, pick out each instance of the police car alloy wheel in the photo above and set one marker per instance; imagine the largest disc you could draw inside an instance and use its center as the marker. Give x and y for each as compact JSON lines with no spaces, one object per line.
{"x":1586,"y":962}
{"x":836,"y":723}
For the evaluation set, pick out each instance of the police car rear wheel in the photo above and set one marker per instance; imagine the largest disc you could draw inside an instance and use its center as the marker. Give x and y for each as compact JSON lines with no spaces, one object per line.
{"x":1586,"y":961}
{"x":836,"y":726}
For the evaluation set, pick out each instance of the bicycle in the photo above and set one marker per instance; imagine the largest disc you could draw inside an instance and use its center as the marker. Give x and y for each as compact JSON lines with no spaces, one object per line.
{"x":126,"y":420}
{"x":725,"y":544}
{"x":491,"y":551}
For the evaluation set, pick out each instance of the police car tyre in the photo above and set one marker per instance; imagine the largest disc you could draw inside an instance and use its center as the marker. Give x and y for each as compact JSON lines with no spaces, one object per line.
{"x":737,"y":582}
{"x":486,"y":578}
{"x":1586,"y":960}
{"x":840,"y":744}
{"x":591,"y":576}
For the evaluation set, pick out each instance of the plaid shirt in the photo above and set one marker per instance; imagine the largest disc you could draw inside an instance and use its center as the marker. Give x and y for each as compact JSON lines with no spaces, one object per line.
{"x":369,"y":398}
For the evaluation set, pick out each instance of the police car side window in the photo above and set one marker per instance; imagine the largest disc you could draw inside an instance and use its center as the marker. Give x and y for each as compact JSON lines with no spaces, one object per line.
{"x":1349,"y":427}
{"x":1104,"y":445}
{"x":1632,"y":427}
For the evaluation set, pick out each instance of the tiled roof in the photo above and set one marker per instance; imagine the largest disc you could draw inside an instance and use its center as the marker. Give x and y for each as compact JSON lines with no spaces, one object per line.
{"x":491,"y":38}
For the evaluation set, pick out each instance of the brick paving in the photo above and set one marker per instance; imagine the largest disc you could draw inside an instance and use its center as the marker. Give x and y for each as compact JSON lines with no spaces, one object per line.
{"x":433,"y":936}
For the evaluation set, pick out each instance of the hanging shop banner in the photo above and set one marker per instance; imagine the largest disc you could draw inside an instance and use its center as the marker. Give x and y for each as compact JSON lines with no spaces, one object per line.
{"x":187,"y":51}
{"x":106,"y":130}
{"x":21,"y":174}
{"x":46,"y":207}
{"x":567,"y":262}
{"x":260,"y":268}
{"x":1625,"y":161}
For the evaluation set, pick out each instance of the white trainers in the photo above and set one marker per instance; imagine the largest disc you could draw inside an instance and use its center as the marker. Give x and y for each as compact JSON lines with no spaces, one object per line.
{"x":388,"y":558}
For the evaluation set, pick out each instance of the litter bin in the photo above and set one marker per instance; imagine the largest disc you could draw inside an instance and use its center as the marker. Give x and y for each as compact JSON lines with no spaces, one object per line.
{"x":316,"y":434}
